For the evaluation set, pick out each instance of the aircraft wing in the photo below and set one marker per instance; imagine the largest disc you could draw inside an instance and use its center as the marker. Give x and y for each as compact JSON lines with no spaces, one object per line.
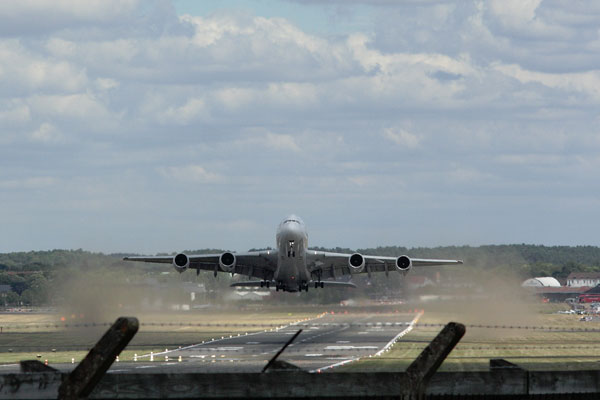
{"x":259,"y":264}
{"x":332,"y":265}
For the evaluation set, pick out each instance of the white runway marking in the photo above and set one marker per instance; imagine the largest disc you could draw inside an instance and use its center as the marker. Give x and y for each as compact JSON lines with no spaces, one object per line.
{"x":350,"y":347}
{"x":343,"y":341}
{"x":390,"y":343}
{"x":313,"y":355}
{"x":399,"y":335}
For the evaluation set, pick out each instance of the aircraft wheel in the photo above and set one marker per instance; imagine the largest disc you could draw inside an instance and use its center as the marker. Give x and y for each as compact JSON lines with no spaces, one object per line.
{"x":322,"y":285}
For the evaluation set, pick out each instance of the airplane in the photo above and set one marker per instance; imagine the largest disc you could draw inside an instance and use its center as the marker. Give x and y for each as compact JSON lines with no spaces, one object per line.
{"x":292,"y":267}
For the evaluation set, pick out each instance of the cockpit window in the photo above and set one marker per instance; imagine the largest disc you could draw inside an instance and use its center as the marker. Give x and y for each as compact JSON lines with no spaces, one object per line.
{"x":291,"y":220}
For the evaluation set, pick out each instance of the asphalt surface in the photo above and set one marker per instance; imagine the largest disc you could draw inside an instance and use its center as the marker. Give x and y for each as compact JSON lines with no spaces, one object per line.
{"x":325,"y":342}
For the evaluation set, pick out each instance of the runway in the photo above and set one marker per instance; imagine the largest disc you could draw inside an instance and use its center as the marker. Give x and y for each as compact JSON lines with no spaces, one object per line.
{"x":327,"y":341}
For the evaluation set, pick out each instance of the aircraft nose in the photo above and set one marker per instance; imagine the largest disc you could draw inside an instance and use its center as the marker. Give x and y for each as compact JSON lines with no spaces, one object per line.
{"x":290,"y":228}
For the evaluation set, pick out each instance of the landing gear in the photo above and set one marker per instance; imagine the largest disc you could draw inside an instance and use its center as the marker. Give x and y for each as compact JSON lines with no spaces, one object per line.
{"x":319,"y":284}
{"x":304,"y":286}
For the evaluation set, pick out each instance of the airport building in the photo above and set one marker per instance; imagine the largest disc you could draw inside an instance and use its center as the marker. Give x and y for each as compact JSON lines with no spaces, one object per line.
{"x":579,"y":279}
{"x":550,"y":288}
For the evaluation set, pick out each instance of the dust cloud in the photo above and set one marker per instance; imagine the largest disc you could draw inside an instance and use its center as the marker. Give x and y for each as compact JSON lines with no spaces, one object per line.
{"x":490,"y":297}
{"x":103,"y":294}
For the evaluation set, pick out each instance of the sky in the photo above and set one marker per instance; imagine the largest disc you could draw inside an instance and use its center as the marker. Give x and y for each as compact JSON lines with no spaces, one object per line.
{"x":158,"y":126}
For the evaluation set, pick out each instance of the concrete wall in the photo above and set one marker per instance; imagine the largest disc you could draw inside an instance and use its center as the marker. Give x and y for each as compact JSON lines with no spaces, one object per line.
{"x":299,"y":384}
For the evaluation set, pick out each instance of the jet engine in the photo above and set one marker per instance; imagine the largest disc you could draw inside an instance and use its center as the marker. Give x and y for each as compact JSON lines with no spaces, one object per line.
{"x":356,"y":262}
{"x":181,"y":262}
{"x":403,"y":264}
{"x":227,"y":262}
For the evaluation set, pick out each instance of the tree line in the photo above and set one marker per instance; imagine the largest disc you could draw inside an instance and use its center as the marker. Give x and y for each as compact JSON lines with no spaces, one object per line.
{"x":34,"y":276}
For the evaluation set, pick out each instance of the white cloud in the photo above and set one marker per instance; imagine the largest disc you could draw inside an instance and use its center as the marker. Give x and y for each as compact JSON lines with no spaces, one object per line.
{"x":24,"y":70}
{"x":585,"y":82}
{"x":38,"y":182}
{"x":191,"y":174}
{"x":372,"y":59}
{"x":47,"y":133}
{"x":106,"y":84}
{"x":246,"y":225}
{"x":91,"y":9}
{"x":234,"y":98}
{"x":402,"y":137}
{"x":281,"y":142}
{"x":26,"y":16}
{"x":195,"y":109}
{"x":514,"y":11}
{"x":59,"y":47}
{"x":361,"y":180}
{"x":520,"y":17}
{"x":466,"y":175}
{"x":531,"y":159}
{"x":81,"y":106}
{"x":491,"y":95}
{"x":292,"y":94}
{"x":15,"y":112}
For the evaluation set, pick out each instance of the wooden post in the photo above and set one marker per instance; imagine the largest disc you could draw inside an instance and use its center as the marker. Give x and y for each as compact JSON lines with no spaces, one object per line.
{"x":426,"y":364}
{"x":82,"y":380}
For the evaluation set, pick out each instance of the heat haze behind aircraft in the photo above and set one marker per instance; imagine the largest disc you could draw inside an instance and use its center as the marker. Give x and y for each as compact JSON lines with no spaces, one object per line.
{"x":292,"y":267}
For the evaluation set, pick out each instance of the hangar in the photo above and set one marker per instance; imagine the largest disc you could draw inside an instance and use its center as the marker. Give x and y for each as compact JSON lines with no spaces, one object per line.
{"x":546,"y":281}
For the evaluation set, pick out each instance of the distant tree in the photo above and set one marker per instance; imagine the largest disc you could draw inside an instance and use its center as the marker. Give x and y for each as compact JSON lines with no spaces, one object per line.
{"x":11,"y":299}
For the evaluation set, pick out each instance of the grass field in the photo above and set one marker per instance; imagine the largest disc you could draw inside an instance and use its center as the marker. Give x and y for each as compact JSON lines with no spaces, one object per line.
{"x":557,"y":348}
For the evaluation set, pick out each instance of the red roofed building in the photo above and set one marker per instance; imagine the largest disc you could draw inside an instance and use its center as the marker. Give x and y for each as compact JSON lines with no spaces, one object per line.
{"x":579,"y":279}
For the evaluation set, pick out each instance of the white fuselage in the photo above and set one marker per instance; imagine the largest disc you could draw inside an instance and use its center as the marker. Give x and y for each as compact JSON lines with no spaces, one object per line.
{"x":292,"y":242}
